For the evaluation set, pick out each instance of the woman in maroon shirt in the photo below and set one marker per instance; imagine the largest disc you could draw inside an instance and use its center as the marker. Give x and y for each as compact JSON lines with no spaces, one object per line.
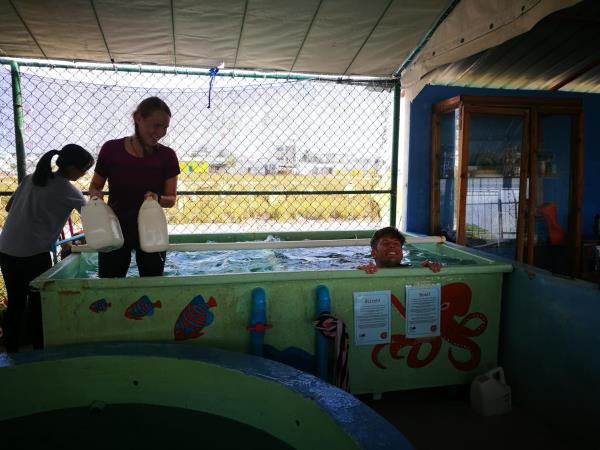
{"x":136,"y":167}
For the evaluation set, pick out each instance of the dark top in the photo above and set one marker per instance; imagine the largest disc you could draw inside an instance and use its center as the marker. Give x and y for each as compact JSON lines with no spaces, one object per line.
{"x":129,"y":178}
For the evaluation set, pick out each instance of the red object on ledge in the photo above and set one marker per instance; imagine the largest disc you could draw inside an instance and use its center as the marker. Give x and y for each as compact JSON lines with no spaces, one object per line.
{"x":555,"y":232}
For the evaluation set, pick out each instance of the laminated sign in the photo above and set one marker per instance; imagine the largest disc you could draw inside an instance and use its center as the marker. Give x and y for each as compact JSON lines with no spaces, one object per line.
{"x":423,"y":311}
{"x":372,"y":317}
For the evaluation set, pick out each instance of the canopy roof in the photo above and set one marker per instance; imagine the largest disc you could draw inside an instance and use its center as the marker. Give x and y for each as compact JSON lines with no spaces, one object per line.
{"x":560,"y":52}
{"x":347,"y":37}
{"x":423,"y":41}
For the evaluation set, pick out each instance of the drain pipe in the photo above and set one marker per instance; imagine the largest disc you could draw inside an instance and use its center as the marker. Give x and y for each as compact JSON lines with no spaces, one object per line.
{"x":258,"y":321}
{"x":323,"y":306}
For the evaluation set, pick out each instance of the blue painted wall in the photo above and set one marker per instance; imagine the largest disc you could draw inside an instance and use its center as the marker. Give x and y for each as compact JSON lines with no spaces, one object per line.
{"x":549,"y":345}
{"x":420,"y":151}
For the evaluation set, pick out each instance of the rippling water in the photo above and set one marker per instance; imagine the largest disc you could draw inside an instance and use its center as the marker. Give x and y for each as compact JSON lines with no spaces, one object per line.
{"x":274,"y":260}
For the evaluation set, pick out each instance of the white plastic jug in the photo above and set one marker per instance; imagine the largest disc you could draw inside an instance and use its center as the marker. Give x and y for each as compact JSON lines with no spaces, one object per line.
{"x":101,"y":226}
{"x":490,"y":394}
{"x":152,"y":226}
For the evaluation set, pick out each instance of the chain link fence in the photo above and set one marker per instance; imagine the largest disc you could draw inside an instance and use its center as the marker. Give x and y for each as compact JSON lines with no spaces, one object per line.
{"x":258,"y":153}
{"x":269,"y":154}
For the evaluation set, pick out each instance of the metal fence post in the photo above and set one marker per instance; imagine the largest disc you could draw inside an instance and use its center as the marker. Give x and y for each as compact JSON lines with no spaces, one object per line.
{"x":18,"y":115}
{"x":395,"y":139}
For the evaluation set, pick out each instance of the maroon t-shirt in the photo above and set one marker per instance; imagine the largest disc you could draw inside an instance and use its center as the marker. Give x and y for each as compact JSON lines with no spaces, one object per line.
{"x":129,"y":178}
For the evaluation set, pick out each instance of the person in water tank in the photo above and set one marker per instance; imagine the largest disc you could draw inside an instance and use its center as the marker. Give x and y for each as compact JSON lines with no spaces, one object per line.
{"x":386,"y":250}
{"x":136,"y":167}
{"x":37,"y":213}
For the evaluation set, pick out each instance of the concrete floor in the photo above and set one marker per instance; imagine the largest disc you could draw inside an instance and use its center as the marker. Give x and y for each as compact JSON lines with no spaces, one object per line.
{"x":439,"y":418}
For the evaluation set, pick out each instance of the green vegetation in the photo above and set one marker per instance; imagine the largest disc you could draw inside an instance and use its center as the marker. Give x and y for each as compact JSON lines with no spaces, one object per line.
{"x":476,"y":231}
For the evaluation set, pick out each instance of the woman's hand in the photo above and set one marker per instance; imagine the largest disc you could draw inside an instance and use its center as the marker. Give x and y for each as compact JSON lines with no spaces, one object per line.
{"x":152,"y":195}
{"x":96,"y":193}
{"x":96,"y":186}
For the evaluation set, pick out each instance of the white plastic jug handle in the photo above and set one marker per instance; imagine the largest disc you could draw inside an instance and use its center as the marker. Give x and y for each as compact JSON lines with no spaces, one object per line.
{"x":497,"y":374}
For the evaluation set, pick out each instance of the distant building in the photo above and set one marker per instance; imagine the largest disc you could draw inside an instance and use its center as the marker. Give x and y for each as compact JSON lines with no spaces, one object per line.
{"x":307,"y":168}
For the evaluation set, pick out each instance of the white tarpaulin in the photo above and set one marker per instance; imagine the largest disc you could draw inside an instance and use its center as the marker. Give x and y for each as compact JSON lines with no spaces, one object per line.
{"x":347,"y":37}
{"x":471,"y":27}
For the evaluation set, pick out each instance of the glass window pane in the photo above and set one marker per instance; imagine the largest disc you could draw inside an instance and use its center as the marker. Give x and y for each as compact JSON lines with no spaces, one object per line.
{"x":448,"y":149}
{"x":553,"y":193}
{"x":492,"y":204}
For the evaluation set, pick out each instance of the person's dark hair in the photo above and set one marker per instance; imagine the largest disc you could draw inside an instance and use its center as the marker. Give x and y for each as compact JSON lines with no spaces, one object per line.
{"x":71,"y":155}
{"x":391,"y":232}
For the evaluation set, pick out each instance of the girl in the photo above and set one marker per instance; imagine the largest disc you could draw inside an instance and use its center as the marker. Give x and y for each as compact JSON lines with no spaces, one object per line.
{"x":37,"y":213}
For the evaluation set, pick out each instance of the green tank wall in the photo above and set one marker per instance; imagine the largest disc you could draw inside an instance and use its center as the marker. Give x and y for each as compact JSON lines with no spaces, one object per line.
{"x":291,"y":309}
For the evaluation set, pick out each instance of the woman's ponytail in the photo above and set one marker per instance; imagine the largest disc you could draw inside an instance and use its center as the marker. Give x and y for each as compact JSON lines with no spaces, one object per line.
{"x":43,"y":169}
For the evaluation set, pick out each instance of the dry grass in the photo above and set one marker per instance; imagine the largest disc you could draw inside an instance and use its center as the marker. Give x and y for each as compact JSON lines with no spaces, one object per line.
{"x":202,"y":209}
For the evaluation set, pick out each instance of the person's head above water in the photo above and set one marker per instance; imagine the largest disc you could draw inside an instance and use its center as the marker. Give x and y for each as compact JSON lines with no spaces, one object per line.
{"x":386,"y":247}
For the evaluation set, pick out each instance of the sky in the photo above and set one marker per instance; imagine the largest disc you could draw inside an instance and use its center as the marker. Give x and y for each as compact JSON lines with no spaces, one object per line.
{"x":252,"y":120}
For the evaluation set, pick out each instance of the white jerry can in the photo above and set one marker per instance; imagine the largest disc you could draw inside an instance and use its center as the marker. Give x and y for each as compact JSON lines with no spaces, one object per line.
{"x":152,"y":227}
{"x":101,"y":226}
{"x":490,"y":395}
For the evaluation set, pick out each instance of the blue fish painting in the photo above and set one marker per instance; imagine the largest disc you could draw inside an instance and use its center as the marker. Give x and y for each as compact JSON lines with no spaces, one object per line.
{"x":194,"y":318}
{"x":100,"y":306}
{"x":142,"y":308}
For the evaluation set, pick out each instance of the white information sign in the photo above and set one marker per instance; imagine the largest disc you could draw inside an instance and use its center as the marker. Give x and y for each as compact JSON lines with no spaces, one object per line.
{"x":372,"y":317}
{"x":423,"y":310}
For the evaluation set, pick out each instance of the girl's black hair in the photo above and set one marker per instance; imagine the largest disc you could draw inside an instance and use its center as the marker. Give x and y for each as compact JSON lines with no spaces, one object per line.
{"x":71,"y":155}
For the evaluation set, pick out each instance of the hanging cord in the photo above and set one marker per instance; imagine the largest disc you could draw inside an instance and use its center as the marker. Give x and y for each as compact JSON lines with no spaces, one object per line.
{"x":213,"y":73}
{"x":333,"y":328}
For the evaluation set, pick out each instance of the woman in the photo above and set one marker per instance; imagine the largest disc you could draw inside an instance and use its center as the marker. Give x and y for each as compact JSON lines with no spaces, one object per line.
{"x":136,"y":167}
{"x":37,"y":213}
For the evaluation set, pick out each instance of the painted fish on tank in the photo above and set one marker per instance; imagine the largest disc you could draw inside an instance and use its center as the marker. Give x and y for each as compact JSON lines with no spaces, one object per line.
{"x":142,"y":308}
{"x":194,"y":318}
{"x":100,"y":306}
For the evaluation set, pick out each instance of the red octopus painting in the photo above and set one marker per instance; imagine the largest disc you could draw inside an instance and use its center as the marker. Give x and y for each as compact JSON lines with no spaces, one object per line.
{"x":455,"y":302}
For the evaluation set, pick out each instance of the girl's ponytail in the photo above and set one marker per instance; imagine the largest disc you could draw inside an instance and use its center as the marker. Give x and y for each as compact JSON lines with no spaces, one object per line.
{"x":43,"y":169}
{"x":71,"y":155}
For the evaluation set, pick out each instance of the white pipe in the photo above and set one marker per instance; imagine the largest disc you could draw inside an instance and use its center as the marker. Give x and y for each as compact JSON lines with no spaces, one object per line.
{"x":403,"y":161}
{"x":216,"y":246}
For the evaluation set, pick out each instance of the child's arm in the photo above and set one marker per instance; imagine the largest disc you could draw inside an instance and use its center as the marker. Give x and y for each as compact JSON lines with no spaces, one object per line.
{"x":368,"y":268}
{"x":434,"y":266}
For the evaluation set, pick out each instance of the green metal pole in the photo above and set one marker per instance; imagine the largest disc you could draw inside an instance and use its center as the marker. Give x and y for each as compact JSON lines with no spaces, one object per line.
{"x":395,"y":139}
{"x":18,"y":114}
{"x":194,"y":71}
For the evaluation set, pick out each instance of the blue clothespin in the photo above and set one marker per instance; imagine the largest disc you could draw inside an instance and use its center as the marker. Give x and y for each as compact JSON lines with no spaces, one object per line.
{"x":213,"y":73}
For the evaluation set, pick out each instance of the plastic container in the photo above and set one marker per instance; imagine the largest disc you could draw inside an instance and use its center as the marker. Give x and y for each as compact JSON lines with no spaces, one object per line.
{"x":152,"y":226}
{"x":101,"y":226}
{"x":490,"y":395}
